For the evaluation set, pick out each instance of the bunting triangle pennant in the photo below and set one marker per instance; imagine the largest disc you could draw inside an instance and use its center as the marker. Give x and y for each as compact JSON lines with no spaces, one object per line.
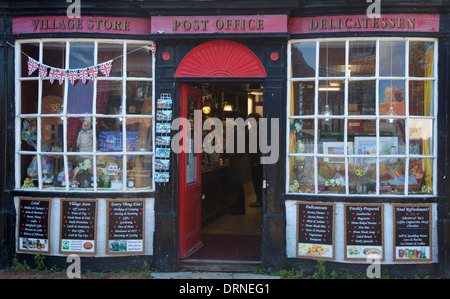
{"x":93,"y":72}
{"x":105,"y":68}
{"x":32,"y":65}
{"x":72,"y":76}
{"x":42,"y":71}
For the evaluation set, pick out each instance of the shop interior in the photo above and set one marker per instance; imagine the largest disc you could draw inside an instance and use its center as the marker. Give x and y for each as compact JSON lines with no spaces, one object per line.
{"x":225,"y":234}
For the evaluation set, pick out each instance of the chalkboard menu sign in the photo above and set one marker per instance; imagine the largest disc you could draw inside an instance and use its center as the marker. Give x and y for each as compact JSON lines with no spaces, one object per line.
{"x":125,"y":226}
{"x":315,"y":230}
{"x":364,"y":231}
{"x":33,"y":227}
{"x":412,"y":227}
{"x":78,"y":226}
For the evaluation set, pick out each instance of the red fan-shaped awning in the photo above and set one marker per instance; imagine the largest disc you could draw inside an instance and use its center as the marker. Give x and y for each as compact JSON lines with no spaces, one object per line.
{"x":220,"y":58}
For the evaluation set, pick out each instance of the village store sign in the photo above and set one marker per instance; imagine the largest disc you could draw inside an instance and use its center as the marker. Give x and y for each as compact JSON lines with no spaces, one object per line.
{"x":83,"y":24}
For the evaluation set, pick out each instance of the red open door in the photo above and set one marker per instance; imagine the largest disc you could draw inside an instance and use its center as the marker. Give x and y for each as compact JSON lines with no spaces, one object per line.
{"x":190,"y":186}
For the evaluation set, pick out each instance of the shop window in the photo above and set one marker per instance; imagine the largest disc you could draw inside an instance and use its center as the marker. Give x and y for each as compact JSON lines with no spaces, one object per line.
{"x":95,"y":135}
{"x":362,"y":117}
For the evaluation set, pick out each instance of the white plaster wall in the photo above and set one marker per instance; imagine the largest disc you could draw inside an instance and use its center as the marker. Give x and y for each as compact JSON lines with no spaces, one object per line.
{"x":339,"y":237}
{"x":149,"y":229}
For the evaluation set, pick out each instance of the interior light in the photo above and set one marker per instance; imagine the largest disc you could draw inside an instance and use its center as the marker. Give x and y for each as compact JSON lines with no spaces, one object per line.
{"x":228,"y":107}
{"x":206,"y":109}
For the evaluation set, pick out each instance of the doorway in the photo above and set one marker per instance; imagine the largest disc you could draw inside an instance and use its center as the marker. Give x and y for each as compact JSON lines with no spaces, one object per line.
{"x":210,"y":227}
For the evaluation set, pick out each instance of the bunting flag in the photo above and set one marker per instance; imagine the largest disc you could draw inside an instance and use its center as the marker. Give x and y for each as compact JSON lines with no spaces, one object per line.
{"x":57,"y":74}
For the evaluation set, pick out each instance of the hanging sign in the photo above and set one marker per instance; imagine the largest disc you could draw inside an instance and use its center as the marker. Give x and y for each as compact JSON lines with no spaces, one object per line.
{"x":85,"y":24}
{"x":363,"y":232}
{"x":315,"y":230}
{"x":220,"y":24}
{"x":359,"y":23}
{"x":412,"y":228}
{"x":125,"y":224}
{"x":33,"y":227}
{"x":78,"y":226}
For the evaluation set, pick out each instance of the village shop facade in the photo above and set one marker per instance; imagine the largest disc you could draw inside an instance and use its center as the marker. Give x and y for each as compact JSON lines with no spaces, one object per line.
{"x":356,"y":106}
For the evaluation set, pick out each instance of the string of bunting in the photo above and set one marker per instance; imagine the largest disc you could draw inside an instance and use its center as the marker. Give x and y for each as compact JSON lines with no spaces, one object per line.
{"x":83,"y":74}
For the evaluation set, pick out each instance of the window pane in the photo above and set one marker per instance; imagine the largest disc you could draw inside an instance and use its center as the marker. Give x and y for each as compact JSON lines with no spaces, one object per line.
{"x":396,"y":129}
{"x":109,"y":97}
{"x":83,"y":170}
{"x":139,"y":60}
{"x":54,"y":54}
{"x":392,"y":97}
{"x":303,"y":60}
{"x":52,"y":97}
{"x":107,"y":52}
{"x":79,"y":134}
{"x":331,"y":136}
{"x":139,"y":97}
{"x":302,"y":98}
{"x":392,"y":58}
{"x":301,"y":136}
{"x":29,"y":97}
{"x":421,"y":55}
{"x":80,"y":98}
{"x":28,"y":134}
{"x":331,"y":175}
{"x":109,"y":134}
{"x":331,"y":97}
{"x":420,"y":136}
{"x":139,"y":134}
{"x":301,"y":178}
{"x":109,"y":172}
{"x":51,"y":134}
{"x":332,"y":59}
{"x":81,"y":55}
{"x":392,"y":176}
{"x":361,"y":56}
{"x":139,"y":172}
{"x":29,"y":171}
{"x":421,"y":98}
{"x":31,"y":50}
{"x":362,"y":175}
{"x":361,"y":127}
{"x":420,"y":176}
{"x":53,"y":175}
{"x":361,"y":97}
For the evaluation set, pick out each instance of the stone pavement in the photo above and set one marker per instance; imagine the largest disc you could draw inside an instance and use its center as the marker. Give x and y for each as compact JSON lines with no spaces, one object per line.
{"x":10,"y":274}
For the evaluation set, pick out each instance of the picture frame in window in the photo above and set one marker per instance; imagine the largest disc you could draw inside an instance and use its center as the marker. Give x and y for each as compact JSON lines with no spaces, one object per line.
{"x":368,"y":146}
{"x":336,"y":148}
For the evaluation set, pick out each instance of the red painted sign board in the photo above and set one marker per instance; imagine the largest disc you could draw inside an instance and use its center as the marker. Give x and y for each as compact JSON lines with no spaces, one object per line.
{"x":85,"y":24}
{"x":360,"y":23}
{"x":220,"y":24}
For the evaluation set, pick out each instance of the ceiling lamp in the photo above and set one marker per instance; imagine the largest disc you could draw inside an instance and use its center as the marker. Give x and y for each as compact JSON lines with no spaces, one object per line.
{"x":206,"y":109}
{"x":227,"y":107}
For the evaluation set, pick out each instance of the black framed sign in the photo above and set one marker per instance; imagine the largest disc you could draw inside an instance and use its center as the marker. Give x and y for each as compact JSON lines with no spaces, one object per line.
{"x":34,"y":225}
{"x":125,"y":226}
{"x":315,"y":230}
{"x":364,"y":231}
{"x":78,"y":227}
{"x":412,"y":228}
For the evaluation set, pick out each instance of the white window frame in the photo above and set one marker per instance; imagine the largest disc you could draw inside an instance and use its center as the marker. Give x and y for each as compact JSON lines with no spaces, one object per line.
{"x":375,"y":117}
{"x":63,"y":115}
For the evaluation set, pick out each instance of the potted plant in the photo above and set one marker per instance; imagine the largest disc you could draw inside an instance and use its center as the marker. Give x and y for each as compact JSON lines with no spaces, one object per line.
{"x":84,"y":177}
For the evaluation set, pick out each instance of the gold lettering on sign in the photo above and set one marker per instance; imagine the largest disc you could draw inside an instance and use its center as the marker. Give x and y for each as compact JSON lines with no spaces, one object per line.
{"x":218,"y":24}
{"x":361,"y":23}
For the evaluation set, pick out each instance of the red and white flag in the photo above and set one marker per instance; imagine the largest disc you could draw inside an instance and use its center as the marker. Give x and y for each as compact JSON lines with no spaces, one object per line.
{"x":72,"y":76}
{"x":93,"y":72}
{"x":42,"y":71}
{"x":56,"y":74}
{"x":105,"y":68}
{"x":32,"y":65}
{"x":83,"y":75}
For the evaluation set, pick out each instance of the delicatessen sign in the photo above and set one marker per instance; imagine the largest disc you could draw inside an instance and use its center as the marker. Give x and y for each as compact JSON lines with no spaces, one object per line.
{"x":315,"y":230}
